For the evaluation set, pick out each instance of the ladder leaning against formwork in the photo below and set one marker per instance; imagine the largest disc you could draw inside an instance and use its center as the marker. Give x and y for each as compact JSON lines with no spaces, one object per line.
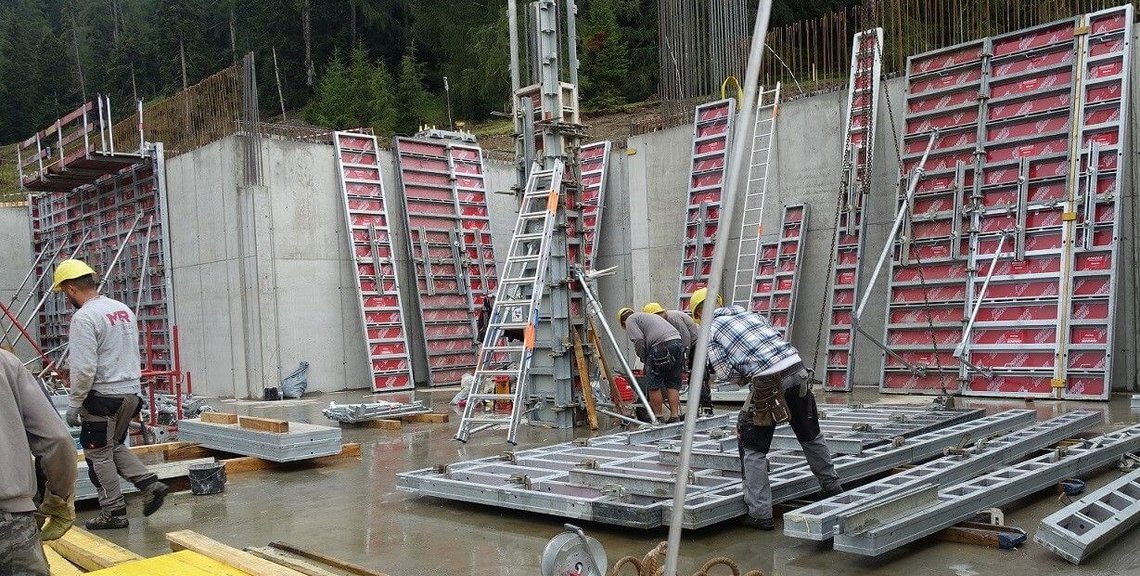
{"x":763,"y":141}
{"x":516,"y":307}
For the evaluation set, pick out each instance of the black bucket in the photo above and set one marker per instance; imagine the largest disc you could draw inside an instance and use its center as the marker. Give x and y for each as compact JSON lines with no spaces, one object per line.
{"x":207,"y":478}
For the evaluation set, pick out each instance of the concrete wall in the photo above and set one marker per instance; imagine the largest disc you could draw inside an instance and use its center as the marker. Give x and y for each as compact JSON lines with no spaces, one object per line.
{"x":15,"y":259}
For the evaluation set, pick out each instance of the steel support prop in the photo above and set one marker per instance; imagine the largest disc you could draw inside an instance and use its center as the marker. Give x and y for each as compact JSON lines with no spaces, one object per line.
{"x":980,"y":297}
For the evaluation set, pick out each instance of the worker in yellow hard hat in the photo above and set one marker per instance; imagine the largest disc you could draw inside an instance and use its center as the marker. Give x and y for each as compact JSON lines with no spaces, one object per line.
{"x":697,"y":301}
{"x":745,"y":347}
{"x":660,"y":348}
{"x":689,"y":332}
{"x":104,"y":372}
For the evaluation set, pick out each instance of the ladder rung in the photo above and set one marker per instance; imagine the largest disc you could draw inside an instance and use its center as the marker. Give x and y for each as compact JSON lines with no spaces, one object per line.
{"x":510,"y":325}
{"x":477,"y":420}
{"x":508,"y":349}
{"x":529,"y":236}
{"x":478,"y":397}
{"x":492,"y":373}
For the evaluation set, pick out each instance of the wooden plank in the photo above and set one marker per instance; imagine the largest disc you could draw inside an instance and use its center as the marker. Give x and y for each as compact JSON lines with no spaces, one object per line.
{"x":429,"y":418}
{"x":302,"y":565}
{"x":219,"y":418}
{"x":252,"y":463}
{"x":584,"y":380}
{"x":183,"y":563}
{"x":89,"y":551}
{"x":381,"y":424}
{"x":163,"y":448}
{"x":59,"y":565}
{"x":244,"y":561}
{"x":979,"y":534}
{"x":334,"y":562}
{"x":263,"y":424}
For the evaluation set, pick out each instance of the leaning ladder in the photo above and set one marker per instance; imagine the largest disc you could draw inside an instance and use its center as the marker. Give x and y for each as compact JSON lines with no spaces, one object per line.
{"x":763,"y":140}
{"x":516,"y":306}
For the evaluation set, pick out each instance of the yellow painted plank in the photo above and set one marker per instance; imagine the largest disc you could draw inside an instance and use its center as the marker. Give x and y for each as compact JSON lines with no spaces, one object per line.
{"x":89,"y":551}
{"x":59,"y":565}
{"x":190,"y":540}
{"x":183,"y":563}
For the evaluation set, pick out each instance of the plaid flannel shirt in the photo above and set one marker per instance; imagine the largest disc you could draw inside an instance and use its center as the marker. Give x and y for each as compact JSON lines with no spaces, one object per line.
{"x":744,"y":344}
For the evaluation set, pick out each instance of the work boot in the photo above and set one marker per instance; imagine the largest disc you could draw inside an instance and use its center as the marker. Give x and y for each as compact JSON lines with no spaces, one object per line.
{"x":766,"y":524}
{"x":153,"y":496}
{"x":108,"y":520}
{"x":834,"y":490}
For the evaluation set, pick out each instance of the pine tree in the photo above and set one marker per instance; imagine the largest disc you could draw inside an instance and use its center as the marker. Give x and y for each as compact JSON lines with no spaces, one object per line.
{"x":605,"y":58}
{"x":333,"y":99}
{"x":411,"y":97}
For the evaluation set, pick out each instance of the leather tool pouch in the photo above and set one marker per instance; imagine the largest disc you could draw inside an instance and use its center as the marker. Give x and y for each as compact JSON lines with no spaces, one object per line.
{"x":660,"y":358}
{"x":98,"y":405}
{"x":768,"y":406}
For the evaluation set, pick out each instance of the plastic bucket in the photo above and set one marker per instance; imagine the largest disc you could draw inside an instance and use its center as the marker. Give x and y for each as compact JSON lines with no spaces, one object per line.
{"x":207,"y":478}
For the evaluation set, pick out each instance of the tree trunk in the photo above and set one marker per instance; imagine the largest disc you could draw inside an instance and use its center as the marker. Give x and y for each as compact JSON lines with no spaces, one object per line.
{"x":307,"y":33}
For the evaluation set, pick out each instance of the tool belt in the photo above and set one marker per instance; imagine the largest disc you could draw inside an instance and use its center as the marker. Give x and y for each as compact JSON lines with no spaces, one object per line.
{"x":767,"y":399}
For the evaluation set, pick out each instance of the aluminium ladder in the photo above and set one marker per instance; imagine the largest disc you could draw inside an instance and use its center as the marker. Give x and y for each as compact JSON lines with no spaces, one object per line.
{"x":516,"y":307}
{"x":751,"y":225}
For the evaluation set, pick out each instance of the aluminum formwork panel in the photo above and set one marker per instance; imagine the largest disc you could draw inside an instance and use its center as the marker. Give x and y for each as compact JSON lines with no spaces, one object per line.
{"x":377,"y":277}
{"x":858,"y":156}
{"x":961,"y":501}
{"x":95,"y":220}
{"x":1082,"y":528}
{"x":712,"y":134}
{"x":449,"y":237}
{"x":818,"y":521}
{"x":789,"y":256}
{"x":713,"y":506}
{"x":595,"y":159}
{"x":302,"y":441}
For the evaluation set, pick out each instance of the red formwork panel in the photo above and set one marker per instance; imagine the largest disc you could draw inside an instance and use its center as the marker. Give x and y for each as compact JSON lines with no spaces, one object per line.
{"x":93,"y":222}
{"x":712,"y":132}
{"x":444,"y":192}
{"x":594,"y":159}
{"x":377,"y":276}
{"x":859,"y":130}
{"x":776,"y":282}
{"x":1044,"y":323}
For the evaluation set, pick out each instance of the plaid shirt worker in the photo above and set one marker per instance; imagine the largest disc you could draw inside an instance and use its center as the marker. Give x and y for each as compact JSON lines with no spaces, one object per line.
{"x":744,"y":344}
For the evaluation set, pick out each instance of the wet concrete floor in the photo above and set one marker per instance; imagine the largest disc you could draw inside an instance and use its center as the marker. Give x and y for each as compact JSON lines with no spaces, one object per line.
{"x":352,"y":510}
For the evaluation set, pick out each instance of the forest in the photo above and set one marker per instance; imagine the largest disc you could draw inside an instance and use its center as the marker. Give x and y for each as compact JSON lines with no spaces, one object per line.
{"x":342,"y":63}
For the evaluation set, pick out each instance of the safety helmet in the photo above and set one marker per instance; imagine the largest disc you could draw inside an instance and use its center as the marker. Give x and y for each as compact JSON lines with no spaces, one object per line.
{"x":623,"y":314}
{"x":69,"y":270}
{"x":653,"y":308}
{"x":697,"y":299}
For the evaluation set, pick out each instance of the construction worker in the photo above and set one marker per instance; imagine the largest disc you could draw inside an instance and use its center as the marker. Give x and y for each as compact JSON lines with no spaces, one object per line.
{"x":30,"y":428}
{"x":689,"y":332}
{"x":744,"y":346}
{"x":104,"y":371}
{"x":659,"y":346}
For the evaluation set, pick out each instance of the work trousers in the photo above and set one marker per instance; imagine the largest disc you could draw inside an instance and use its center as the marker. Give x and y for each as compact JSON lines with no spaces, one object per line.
{"x":105,"y":422}
{"x":21,"y":552}
{"x":755,"y":441}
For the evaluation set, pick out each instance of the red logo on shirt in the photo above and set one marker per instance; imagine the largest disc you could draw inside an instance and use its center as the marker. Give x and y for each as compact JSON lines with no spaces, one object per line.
{"x":120,"y":316}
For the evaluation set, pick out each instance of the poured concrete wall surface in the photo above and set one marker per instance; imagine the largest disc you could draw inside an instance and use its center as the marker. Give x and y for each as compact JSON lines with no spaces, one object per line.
{"x":15,"y":259}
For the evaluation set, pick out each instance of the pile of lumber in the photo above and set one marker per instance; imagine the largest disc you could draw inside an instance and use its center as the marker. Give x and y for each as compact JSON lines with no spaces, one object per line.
{"x":397,"y":422}
{"x":80,"y":552}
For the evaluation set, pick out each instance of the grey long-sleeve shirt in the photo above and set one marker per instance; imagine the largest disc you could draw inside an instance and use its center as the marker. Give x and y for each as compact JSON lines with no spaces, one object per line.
{"x":684,"y":325}
{"x":30,"y":426}
{"x":646,"y":330}
{"x":103,"y":352}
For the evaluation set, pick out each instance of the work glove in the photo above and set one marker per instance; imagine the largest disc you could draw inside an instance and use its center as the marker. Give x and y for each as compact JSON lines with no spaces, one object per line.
{"x":73,"y":416}
{"x":60,"y":516}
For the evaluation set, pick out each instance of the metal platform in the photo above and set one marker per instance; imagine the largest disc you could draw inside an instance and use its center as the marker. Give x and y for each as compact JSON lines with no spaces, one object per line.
{"x":618,"y":478}
{"x":919,"y":512}
{"x":1080,"y":529}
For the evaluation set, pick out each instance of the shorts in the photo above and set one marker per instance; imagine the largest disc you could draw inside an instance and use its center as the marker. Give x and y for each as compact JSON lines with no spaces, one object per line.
{"x":670,"y":375}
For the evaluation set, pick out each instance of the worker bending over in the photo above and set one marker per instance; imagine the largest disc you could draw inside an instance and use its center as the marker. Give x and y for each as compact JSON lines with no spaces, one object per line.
{"x":30,"y":427}
{"x":744,"y":345}
{"x":658,"y":344}
{"x":689,"y":331}
{"x":104,"y":373}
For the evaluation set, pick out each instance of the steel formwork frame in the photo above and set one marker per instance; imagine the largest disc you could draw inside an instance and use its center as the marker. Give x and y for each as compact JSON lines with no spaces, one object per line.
{"x":776,"y":279}
{"x":444,"y":193}
{"x":712,"y":132}
{"x":369,"y":238}
{"x":858,"y":157}
{"x":93,"y":221}
{"x":1019,"y":117}
{"x":594,"y":160}
{"x":1080,"y":529}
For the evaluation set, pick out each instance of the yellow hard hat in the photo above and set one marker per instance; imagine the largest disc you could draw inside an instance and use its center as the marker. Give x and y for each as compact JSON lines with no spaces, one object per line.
{"x":698,"y":298}
{"x":653,"y":308}
{"x":622,"y":314}
{"x":69,"y":270}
